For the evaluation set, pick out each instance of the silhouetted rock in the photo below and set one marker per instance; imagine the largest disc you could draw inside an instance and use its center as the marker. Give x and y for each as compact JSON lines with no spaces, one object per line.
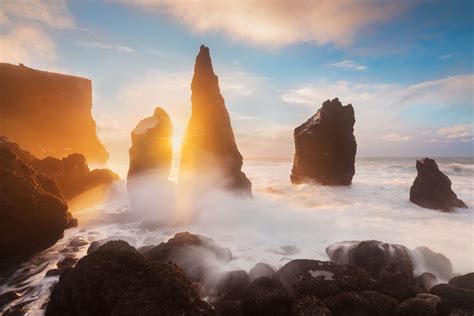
{"x":33,"y":215}
{"x":360,"y":303}
{"x":266,"y":296}
{"x":117,"y":280}
{"x":48,"y":114}
{"x":8,"y":297}
{"x":321,"y":278}
{"x":454,"y":296}
{"x":152,"y":144}
{"x":209,"y":152}
{"x":233,"y":284}
{"x":71,"y":173}
{"x":426,"y":260}
{"x":394,"y":282}
{"x":309,"y":305}
{"x":432,"y":188}
{"x":261,"y":270}
{"x":465,"y":281}
{"x":325,"y":146}
{"x":426,"y":281}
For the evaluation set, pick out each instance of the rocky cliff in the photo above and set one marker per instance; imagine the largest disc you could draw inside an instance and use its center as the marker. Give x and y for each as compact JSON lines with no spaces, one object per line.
{"x":48,"y":114}
{"x":209,"y":146}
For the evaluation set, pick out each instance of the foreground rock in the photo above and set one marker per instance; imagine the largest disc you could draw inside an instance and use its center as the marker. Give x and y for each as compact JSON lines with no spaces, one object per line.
{"x":432,"y":188}
{"x":33,"y":215}
{"x":152,"y":144}
{"x":117,"y":280}
{"x":48,"y":114}
{"x":325,"y":146}
{"x":209,"y":152}
{"x":463,"y":281}
{"x":454,"y":296}
{"x":71,"y":173}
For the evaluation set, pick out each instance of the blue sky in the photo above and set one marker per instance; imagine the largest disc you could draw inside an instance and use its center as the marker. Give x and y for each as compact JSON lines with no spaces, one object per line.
{"x":407,"y":67}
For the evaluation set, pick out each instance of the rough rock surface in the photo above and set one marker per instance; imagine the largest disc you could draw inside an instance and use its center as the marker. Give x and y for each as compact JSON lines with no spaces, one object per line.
{"x":465,"y":281}
{"x":309,"y":305}
{"x":454,"y":296}
{"x":209,"y":148}
{"x":432,"y":188}
{"x":325,"y":146}
{"x":266,"y":296}
{"x":261,"y":270}
{"x":152,"y":142}
{"x":360,"y":303}
{"x":48,"y":114}
{"x":117,"y":280}
{"x":71,"y":173}
{"x":33,"y":215}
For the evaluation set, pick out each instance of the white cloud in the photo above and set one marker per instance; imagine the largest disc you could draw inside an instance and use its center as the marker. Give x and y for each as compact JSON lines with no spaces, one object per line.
{"x":116,"y":48}
{"x":445,"y":57}
{"x":394,"y":137}
{"x":461,"y":132}
{"x":275,"y":23}
{"x":349,"y":65}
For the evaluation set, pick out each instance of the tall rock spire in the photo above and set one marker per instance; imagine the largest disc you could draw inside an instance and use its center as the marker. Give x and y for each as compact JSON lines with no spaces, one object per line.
{"x":209,"y":142}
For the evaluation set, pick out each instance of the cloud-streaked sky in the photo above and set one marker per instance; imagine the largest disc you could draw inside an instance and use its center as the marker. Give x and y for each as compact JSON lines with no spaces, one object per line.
{"x":406,"y":66}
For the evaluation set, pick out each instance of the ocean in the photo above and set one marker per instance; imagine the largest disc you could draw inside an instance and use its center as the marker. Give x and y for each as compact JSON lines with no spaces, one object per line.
{"x":280,"y":223}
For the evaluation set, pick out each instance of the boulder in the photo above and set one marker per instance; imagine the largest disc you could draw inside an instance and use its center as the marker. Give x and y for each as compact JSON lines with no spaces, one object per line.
{"x":454,"y":296}
{"x":33,"y":214}
{"x":71,"y":174}
{"x":321,"y":278}
{"x":394,"y":282}
{"x":325,"y":146}
{"x":261,"y":270}
{"x":233,"y":284}
{"x":426,"y":260}
{"x":266,"y":296}
{"x":209,"y":154}
{"x":360,"y":303}
{"x":426,"y":281}
{"x":418,"y":307}
{"x":465,"y":281}
{"x":152,"y":143}
{"x":117,"y":280}
{"x":48,"y":114}
{"x":432,"y":188}
{"x":309,"y":305}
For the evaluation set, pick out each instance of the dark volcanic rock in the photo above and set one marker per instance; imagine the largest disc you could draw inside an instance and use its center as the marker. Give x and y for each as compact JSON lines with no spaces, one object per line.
{"x":233,"y":284}
{"x":360,"y":303}
{"x":33,"y":215}
{"x":418,"y":307}
{"x":266,"y":296}
{"x":432,"y":188}
{"x":209,"y":151}
{"x":454,"y":296}
{"x":261,"y":270}
{"x":152,"y":142}
{"x":325,"y":146}
{"x":394,"y":282}
{"x":371,"y":255}
{"x":463,"y":281}
{"x":309,"y":305}
{"x":71,"y":173}
{"x":8,"y":297}
{"x":117,"y":280}
{"x":47,"y":113}
{"x":321,"y":278}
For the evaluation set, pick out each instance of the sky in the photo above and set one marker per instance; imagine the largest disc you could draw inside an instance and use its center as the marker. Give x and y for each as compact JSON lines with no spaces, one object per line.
{"x":405,"y":66}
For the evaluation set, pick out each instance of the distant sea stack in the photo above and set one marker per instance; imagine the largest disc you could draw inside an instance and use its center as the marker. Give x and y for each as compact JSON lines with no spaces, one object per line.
{"x":432,"y":188}
{"x":152,"y":148}
{"x":209,"y":145}
{"x":48,"y":114}
{"x":325,"y":146}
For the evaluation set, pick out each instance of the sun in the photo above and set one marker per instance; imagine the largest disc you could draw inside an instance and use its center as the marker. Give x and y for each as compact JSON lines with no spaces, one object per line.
{"x":177,"y":139}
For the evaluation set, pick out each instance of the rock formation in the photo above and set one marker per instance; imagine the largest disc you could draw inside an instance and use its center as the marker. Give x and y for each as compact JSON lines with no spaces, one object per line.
{"x":117,"y":280}
{"x":48,"y":114}
{"x":432,"y":188}
{"x":209,"y":146}
{"x":33,"y":215}
{"x":151,"y":149}
{"x":325,"y":146}
{"x":71,"y":173}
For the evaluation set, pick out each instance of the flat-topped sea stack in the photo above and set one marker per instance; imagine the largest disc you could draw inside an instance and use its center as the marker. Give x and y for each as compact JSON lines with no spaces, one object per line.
{"x":48,"y":114}
{"x":209,"y":150}
{"x":325,"y":146}
{"x":151,"y":149}
{"x":432,"y":188}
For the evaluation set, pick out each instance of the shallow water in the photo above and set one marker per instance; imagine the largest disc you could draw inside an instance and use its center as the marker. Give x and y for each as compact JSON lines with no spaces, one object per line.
{"x":282,"y":222}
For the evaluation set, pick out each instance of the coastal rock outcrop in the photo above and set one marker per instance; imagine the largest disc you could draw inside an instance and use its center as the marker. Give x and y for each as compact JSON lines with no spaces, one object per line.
{"x":33,"y":214}
{"x":209,"y":152}
{"x":117,"y":280}
{"x":151,"y":149}
{"x":432,"y":188}
{"x":325,"y":146}
{"x":48,"y":114}
{"x":71,"y":173}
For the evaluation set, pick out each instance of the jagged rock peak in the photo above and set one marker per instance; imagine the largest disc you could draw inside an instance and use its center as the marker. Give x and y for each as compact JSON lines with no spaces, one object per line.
{"x":203,"y":62}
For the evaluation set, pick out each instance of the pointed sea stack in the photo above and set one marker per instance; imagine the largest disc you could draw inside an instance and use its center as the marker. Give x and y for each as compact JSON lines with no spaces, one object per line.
{"x":151,"y":149}
{"x":209,"y":145}
{"x":432,"y":188}
{"x":325,"y":146}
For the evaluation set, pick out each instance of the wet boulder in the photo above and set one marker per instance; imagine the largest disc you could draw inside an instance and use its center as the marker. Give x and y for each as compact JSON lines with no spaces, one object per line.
{"x":432,"y":188}
{"x":454,"y":296}
{"x":426,"y":281}
{"x":233,"y":284}
{"x":309,"y":305}
{"x":465,"y":281}
{"x":325,"y":146}
{"x":360,"y":303}
{"x":266,"y":296}
{"x":394,"y":282}
{"x":115,"y":279}
{"x":427,"y":305}
{"x":261,"y":270}
{"x":426,"y":260}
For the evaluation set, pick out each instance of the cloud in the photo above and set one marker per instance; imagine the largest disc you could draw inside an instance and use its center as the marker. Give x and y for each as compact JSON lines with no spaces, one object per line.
{"x":393,"y":137}
{"x":276,"y":23}
{"x":349,"y":65}
{"x":445,"y":57}
{"x":461,"y":132}
{"x":116,"y":48}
